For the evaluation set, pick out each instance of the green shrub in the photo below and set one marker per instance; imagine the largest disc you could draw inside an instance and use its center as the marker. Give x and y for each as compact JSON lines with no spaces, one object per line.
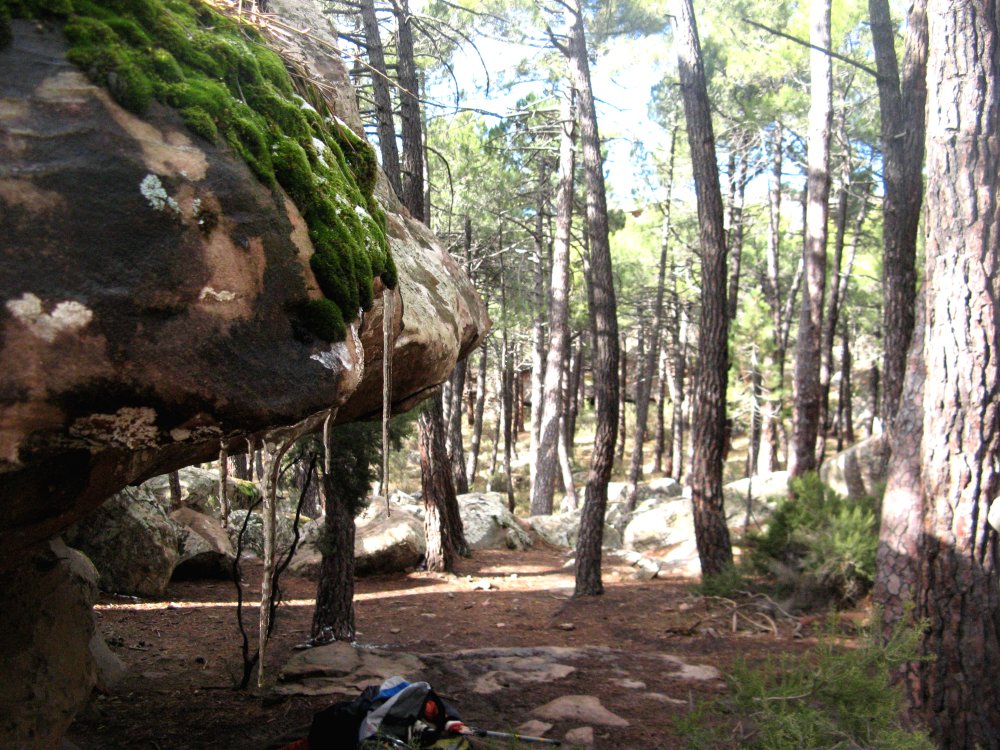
{"x":827,"y":540}
{"x":726,"y":584}
{"x":835,"y":697}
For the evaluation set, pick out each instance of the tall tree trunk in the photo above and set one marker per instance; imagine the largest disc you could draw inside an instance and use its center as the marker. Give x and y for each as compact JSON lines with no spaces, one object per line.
{"x":845,"y":407}
{"x":240,"y":466}
{"x":442,"y":525}
{"x":957,"y":573}
{"x":678,"y":418}
{"x":622,"y":397}
{"x":573,"y":396}
{"x":806,"y":407}
{"x":767,"y":455}
{"x":174,"y":481}
{"x":383,"y":100}
{"x":709,"y":424}
{"x":604,"y":317}
{"x":538,"y":338}
{"x":223,"y":484}
{"x":644,"y":386}
{"x":874,"y":381}
{"x":659,"y":436}
{"x":477,"y":421}
{"x":409,"y":113}
{"x":901,"y":105}
{"x":456,"y":452}
{"x":737,"y":195}
{"x":555,"y":359}
{"x":838,"y":295}
{"x":335,"y":591}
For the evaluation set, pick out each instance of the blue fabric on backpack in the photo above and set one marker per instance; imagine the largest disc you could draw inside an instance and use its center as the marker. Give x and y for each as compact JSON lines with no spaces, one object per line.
{"x":388,"y":692}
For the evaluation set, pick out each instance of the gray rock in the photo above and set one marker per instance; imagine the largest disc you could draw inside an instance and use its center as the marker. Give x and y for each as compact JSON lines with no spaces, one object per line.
{"x":206,"y":550}
{"x":253,"y":536}
{"x":579,"y":708}
{"x":200,"y":490}
{"x":109,"y":669}
{"x":48,"y":669}
{"x":563,"y":529}
{"x":341,"y":667}
{"x":131,"y":542}
{"x":135,"y":358}
{"x":388,"y":545}
{"x":860,"y":470}
{"x":489,"y":524}
{"x":580,"y":737}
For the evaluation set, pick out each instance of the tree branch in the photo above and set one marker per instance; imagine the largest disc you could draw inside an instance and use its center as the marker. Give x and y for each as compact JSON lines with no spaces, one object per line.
{"x":804,"y":43}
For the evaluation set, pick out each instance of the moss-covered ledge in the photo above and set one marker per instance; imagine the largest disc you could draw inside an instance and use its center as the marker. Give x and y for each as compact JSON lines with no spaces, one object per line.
{"x":230,"y":87}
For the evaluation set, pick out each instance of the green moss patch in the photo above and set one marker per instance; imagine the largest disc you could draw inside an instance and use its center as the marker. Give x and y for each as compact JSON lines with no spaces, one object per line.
{"x":231,"y":88}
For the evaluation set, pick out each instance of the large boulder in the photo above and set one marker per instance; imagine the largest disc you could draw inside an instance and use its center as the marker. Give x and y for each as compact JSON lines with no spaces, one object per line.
{"x":200,"y":489}
{"x":389,"y":544}
{"x":252,"y":529}
{"x":48,"y":670}
{"x":860,"y":470}
{"x":489,"y":524}
{"x":205,"y":547}
{"x":563,"y":529}
{"x":131,"y":541}
{"x":155,"y":314}
{"x":749,"y":502}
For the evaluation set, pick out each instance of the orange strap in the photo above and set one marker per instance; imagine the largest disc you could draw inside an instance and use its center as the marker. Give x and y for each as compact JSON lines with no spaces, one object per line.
{"x":302,"y":744}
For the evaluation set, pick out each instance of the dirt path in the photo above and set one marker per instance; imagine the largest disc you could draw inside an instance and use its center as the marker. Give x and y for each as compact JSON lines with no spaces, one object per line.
{"x":183,"y":652}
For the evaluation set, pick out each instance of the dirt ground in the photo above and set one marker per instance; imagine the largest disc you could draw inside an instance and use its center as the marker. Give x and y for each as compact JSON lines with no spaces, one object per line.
{"x":183,"y":658}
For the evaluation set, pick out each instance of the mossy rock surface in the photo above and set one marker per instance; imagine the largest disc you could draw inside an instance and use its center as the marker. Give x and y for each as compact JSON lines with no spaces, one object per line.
{"x":230,"y":87}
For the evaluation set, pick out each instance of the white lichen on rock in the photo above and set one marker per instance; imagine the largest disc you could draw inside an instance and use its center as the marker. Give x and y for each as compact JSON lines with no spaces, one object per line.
{"x":129,"y":427}
{"x":209,"y":293}
{"x":66,"y":317}
{"x":156,"y":195}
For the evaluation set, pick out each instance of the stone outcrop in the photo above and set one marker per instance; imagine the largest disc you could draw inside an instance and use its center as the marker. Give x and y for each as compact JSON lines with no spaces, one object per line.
{"x":860,"y":470}
{"x":205,"y":548}
{"x":147,"y":289}
{"x":489,"y":524}
{"x":200,"y":489}
{"x":131,"y":541}
{"x":385,"y":545}
{"x":48,"y":670}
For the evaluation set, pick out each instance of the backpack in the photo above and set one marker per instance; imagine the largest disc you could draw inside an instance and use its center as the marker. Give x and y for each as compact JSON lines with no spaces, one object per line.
{"x":396,"y":714}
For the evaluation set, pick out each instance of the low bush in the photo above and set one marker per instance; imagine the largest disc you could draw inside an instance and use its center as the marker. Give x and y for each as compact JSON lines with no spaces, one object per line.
{"x":837,"y":696}
{"x":821,"y":541}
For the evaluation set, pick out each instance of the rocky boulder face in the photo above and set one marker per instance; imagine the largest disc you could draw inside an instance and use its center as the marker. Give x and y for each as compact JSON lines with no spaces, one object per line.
{"x":45,"y":650}
{"x":389,"y":544}
{"x":205,"y":548}
{"x":489,"y":524}
{"x":148,"y":293}
{"x":200,"y":490}
{"x":131,"y":541}
{"x":860,"y":470}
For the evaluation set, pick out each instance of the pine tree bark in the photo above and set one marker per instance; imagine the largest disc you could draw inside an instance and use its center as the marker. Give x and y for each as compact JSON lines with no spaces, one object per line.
{"x":174,"y":482}
{"x":538,"y":338}
{"x":806,"y":406}
{"x":558,"y":345}
{"x":386,"y":128}
{"x":622,"y":398}
{"x":958,"y":576}
{"x":603,"y":315}
{"x":456,"y":452}
{"x":477,"y":420}
{"x":409,"y":113}
{"x":709,"y":424}
{"x":437,"y":490}
{"x":901,"y":105}
{"x":335,"y":591}
{"x":737,"y":197}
